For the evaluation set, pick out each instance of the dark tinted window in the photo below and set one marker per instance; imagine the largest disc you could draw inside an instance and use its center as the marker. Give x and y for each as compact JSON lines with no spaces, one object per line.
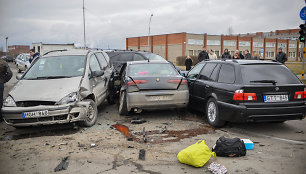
{"x":207,"y":70}
{"x":102,"y":60}
{"x":214,"y":74}
{"x":227,"y":74}
{"x":195,"y":71}
{"x":279,"y":73}
{"x":126,"y":57}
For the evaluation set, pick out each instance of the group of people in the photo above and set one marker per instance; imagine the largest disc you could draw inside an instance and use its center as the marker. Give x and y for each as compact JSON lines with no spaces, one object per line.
{"x":204,"y":55}
{"x":6,"y":74}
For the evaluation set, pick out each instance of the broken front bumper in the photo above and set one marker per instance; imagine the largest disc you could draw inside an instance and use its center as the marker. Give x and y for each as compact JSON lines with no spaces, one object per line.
{"x":57,"y":114}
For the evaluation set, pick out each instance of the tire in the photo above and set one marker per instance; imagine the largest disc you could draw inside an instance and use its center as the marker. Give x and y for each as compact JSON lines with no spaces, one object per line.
{"x":123,"y":104}
{"x":212,"y":113}
{"x":92,"y":114}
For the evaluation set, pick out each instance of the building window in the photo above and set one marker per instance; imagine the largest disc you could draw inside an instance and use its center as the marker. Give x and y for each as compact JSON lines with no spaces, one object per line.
{"x":244,"y":44}
{"x":195,"y":42}
{"x":270,"y":54}
{"x":38,"y":48}
{"x":292,"y":46}
{"x":258,"y":44}
{"x":292,"y":54}
{"x":282,"y":45}
{"x":191,"y":52}
{"x":270,"y":44}
{"x":229,"y":43}
{"x":213,"y":42}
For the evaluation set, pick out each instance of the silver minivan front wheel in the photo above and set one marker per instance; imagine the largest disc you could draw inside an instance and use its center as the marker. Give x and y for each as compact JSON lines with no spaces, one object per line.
{"x":92,"y":114}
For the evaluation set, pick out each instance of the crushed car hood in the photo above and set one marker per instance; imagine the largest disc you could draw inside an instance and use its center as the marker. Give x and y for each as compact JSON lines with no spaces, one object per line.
{"x":44,"y":90}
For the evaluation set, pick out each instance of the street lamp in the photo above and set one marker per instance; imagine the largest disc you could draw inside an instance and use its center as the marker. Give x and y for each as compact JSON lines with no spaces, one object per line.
{"x":149,"y":32}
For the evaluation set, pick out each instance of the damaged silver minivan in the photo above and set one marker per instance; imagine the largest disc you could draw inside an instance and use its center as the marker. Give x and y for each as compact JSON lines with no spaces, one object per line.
{"x":60,"y":87}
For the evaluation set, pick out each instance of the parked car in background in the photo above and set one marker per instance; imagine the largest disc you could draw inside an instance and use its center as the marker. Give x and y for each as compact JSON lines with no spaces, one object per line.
{"x":118,"y":58}
{"x":151,"y":85}
{"x":22,"y":62}
{"x":8,"y":58}
{"x":60,"y":87}
{"x":246,"y":91}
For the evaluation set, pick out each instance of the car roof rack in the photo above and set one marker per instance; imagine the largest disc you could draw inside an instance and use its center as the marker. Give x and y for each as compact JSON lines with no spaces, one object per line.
{"x":54,"y":51}
{"x":233,"y":60}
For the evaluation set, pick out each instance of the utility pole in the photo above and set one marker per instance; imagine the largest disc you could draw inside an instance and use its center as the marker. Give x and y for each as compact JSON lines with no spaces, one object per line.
{"x":149,"y":33}
{"x":84,"y":25}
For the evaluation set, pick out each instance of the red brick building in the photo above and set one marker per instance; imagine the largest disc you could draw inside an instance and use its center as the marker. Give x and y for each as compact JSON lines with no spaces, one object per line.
{"x":263,"y":44}
{"x":15,"y":50}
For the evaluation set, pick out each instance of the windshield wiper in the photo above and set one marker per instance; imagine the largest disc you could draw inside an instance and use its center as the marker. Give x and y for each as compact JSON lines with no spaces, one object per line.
{"x":264,"y":81}
{"x":48,"y":77}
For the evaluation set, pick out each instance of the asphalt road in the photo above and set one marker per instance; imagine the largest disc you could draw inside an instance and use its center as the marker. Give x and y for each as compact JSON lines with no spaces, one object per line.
{"x":279,"y":147}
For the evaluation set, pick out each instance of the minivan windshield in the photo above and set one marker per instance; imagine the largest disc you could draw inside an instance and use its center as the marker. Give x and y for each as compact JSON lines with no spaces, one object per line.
{"x":156,"y":69}
{"x":268,"y":74}
{"x":152,"y":56}
{"x":56,"y":67}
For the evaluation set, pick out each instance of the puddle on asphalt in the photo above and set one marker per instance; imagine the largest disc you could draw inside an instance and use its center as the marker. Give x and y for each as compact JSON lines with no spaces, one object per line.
{"x":162,"y":136}
{"x":34,"y":132}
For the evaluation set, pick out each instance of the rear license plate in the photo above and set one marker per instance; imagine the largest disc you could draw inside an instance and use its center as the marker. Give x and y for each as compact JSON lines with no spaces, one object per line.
{"x":35,"y":114}
{"x":159,"y":97}
{"x":275,"y":98}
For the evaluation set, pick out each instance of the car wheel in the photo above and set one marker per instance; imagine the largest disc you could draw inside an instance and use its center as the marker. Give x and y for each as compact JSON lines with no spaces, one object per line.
{"x":212,"y":113}
{"x":92,"y":114}
{"x":123,"y":104}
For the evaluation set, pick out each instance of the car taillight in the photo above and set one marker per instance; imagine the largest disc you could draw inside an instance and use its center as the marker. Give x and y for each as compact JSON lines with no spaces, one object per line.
{"x":240,"y":95}
{"x":177,"y":81}
{"x":300,"y":95}
{"x":133,"y":83}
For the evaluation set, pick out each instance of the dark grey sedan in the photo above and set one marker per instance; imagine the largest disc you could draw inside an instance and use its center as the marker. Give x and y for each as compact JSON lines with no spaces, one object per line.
{"x":151,"y":85}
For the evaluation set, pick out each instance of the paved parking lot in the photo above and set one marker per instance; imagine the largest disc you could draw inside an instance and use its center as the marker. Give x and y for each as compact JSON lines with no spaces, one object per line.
{"x":279,"y":148}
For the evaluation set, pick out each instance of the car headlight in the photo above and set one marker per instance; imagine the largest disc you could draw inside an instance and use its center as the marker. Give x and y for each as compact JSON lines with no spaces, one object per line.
{"x":9,"y":101}
{"x":72,"y":97}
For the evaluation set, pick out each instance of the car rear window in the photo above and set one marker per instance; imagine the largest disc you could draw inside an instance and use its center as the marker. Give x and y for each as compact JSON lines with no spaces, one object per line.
{"x":261,"y":72}
{"x":151,"y":70}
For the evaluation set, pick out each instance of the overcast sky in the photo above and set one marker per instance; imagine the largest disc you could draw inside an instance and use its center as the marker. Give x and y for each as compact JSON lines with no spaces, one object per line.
{"x":109,"y":22}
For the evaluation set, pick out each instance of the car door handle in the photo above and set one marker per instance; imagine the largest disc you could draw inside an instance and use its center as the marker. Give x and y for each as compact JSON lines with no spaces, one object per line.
{"x":207,"y":86}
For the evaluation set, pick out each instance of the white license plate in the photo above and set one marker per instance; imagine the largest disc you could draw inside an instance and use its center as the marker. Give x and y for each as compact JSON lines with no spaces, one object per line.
{"x":159,"y":97}
{"x":276,"y":98}
{"x":35,"y":114}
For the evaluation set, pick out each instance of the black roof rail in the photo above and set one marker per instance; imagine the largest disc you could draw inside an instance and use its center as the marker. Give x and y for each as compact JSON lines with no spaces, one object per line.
{"x":54,"y":51}
{"x":233,"y":60}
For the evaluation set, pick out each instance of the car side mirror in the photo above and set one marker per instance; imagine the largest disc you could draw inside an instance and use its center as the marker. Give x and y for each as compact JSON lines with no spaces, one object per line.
{"x":98,"y":73}
{"x":18,"y":76}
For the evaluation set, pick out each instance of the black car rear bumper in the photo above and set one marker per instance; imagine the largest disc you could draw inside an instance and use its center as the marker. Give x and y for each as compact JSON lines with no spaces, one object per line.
{"x":259,"y":113}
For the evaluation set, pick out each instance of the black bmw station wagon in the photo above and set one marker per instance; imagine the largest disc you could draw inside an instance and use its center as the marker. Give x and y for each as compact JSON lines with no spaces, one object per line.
{"x":246,"y":91}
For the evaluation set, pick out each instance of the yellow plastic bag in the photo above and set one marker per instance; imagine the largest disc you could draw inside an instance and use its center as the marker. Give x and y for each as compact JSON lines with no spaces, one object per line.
{"x":196,"y":155}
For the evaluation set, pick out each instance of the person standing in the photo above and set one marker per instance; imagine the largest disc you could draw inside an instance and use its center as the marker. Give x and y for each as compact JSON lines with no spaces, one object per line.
{"x":281,"y":56}
{"x":236,"y":56}
{"x":247,"y":55}
{"x":5,"y":75}
{"x":188,"y":63}
{"x":226,"y":54}
{"x":203,"y":55}
{"x":212,"y":55}
{"x":33,"y":55}
{"x":240,"y":56}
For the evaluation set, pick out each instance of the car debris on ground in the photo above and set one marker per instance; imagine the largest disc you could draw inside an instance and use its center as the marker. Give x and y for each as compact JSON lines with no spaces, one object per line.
{"x":63,"y":165}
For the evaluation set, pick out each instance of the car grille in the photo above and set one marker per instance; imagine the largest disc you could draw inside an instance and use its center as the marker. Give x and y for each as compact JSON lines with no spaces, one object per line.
{"x":41,"y":119}
{"x":33,"y":103}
